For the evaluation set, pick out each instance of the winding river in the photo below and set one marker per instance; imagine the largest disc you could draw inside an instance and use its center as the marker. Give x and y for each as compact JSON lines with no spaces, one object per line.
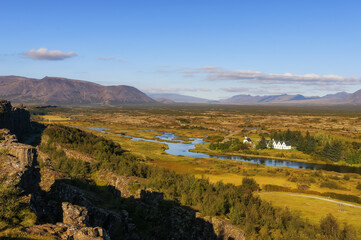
{"x":179,"y":147}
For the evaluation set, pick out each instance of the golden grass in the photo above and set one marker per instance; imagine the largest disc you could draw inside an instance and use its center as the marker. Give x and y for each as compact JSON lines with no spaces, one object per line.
{"x":56,"y":118}
{"x":236,"y":179}
{"x":315,"y":209}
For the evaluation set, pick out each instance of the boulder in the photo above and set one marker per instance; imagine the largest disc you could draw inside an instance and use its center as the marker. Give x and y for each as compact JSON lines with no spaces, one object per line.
{"x":74,"y":215}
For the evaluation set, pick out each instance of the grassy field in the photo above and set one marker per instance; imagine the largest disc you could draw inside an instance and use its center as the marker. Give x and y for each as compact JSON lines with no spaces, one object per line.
{"x":315,"y":209}
{"x":55,"y":118}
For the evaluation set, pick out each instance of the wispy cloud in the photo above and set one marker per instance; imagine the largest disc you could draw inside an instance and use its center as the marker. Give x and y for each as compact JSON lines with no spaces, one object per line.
{"x":174,"y":90}
{"x":276,"y":90}
{"x":217,"y":73}
{"x":45,"y":54}
{"x":111,"y":59}
{"x":235,"y":89}
{"x":331,"y":89}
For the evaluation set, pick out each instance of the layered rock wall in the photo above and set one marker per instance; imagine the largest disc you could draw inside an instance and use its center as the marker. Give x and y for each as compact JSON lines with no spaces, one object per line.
{"x":17,"y":120}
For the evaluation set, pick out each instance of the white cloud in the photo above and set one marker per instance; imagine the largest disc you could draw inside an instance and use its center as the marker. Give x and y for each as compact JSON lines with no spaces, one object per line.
{"x":111,"y":59}
{"x":45,"y":54}
{"x":217,"y":73}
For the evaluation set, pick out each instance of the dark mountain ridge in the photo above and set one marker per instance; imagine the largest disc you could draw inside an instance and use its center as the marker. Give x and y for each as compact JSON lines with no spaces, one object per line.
{"x":55,"y":90}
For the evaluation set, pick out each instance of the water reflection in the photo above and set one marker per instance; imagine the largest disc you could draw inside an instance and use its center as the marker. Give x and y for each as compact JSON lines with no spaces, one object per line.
{"x":178,"y":147}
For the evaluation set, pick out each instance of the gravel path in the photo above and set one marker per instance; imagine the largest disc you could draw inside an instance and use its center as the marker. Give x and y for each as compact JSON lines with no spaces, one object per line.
{"x":320,"y":198}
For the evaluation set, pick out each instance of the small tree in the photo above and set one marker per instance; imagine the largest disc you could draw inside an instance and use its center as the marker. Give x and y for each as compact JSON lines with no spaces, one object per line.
{"x":262,"y":144}
{"x":348,"y":233}
{"x":329,"y":226}
{"x":250,"y":184}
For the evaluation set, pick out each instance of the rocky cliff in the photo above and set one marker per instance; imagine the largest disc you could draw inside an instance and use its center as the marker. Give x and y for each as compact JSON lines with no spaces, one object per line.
{"x":19,"y":169}
{"x":16,"y":119}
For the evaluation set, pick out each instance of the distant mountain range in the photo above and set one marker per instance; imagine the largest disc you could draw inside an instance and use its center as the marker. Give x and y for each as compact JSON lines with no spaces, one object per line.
{"x":54,"y":90}
{"x":63,"y":91}
{"x":337,"y":98}
{"x":178,"y":98}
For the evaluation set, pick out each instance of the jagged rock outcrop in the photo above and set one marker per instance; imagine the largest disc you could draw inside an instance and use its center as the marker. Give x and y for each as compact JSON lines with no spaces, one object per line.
{"x":77,"y":155}
{"x":18,"y":165}
{"x":121,"y":183}
{"x":96,"y":217}
{"x":19,"y":168}
{"x":74,"y":215}
{"x":16,"y":119}
{"x":181,"y":222}
{"x":224,"y":229}
{"x":66,"y":231}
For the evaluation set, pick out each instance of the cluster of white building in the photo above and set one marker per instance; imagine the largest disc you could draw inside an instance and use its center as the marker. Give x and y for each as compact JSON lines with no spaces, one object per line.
{"x":278,"y":144}
{"x":271,"y":143}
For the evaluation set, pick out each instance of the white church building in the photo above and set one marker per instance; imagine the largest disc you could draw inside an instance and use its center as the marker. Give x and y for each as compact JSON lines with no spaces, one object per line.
{"x":279,"y":145}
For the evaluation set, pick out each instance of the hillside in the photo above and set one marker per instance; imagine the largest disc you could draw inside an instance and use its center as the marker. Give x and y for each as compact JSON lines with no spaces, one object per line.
{"x":179,"y":97}
{"x":54,"y":90}
{"x":354,"y":98}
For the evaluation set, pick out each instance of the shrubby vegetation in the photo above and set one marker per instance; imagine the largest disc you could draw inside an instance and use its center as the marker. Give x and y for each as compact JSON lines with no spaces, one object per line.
{"x":9,"y":205}
{"x":258,"y":218}
{"x":234,"y":144}
{"x":13,"y":210}
{"x":322,"y":146}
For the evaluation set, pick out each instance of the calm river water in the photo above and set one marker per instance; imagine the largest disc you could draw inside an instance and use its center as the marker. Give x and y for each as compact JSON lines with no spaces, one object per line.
{"x":179,"y":147}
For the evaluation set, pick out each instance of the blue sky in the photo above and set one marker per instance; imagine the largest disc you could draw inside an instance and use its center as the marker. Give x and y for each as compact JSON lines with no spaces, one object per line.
{"x":212,"y":49}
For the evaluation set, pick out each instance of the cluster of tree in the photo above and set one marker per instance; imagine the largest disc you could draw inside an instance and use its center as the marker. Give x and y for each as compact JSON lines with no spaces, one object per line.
{"x":233,"y":144}
{"x":258,"y":218}
{"x":306,"y":144}
{"x":263,"y":144}
{"x":354,"y":158}
{"x":321,"y":145}
{"x":331,"y":229}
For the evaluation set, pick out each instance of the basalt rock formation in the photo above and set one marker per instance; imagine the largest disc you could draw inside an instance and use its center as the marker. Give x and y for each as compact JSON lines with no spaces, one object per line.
{"x":19,"y":168}
{"x":16,"y":119}
{"x":183,"y":222}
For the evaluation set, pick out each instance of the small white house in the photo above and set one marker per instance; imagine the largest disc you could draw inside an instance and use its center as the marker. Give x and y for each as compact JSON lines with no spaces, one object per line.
{"x":247,"y":140}
{"x":279,"y":145}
